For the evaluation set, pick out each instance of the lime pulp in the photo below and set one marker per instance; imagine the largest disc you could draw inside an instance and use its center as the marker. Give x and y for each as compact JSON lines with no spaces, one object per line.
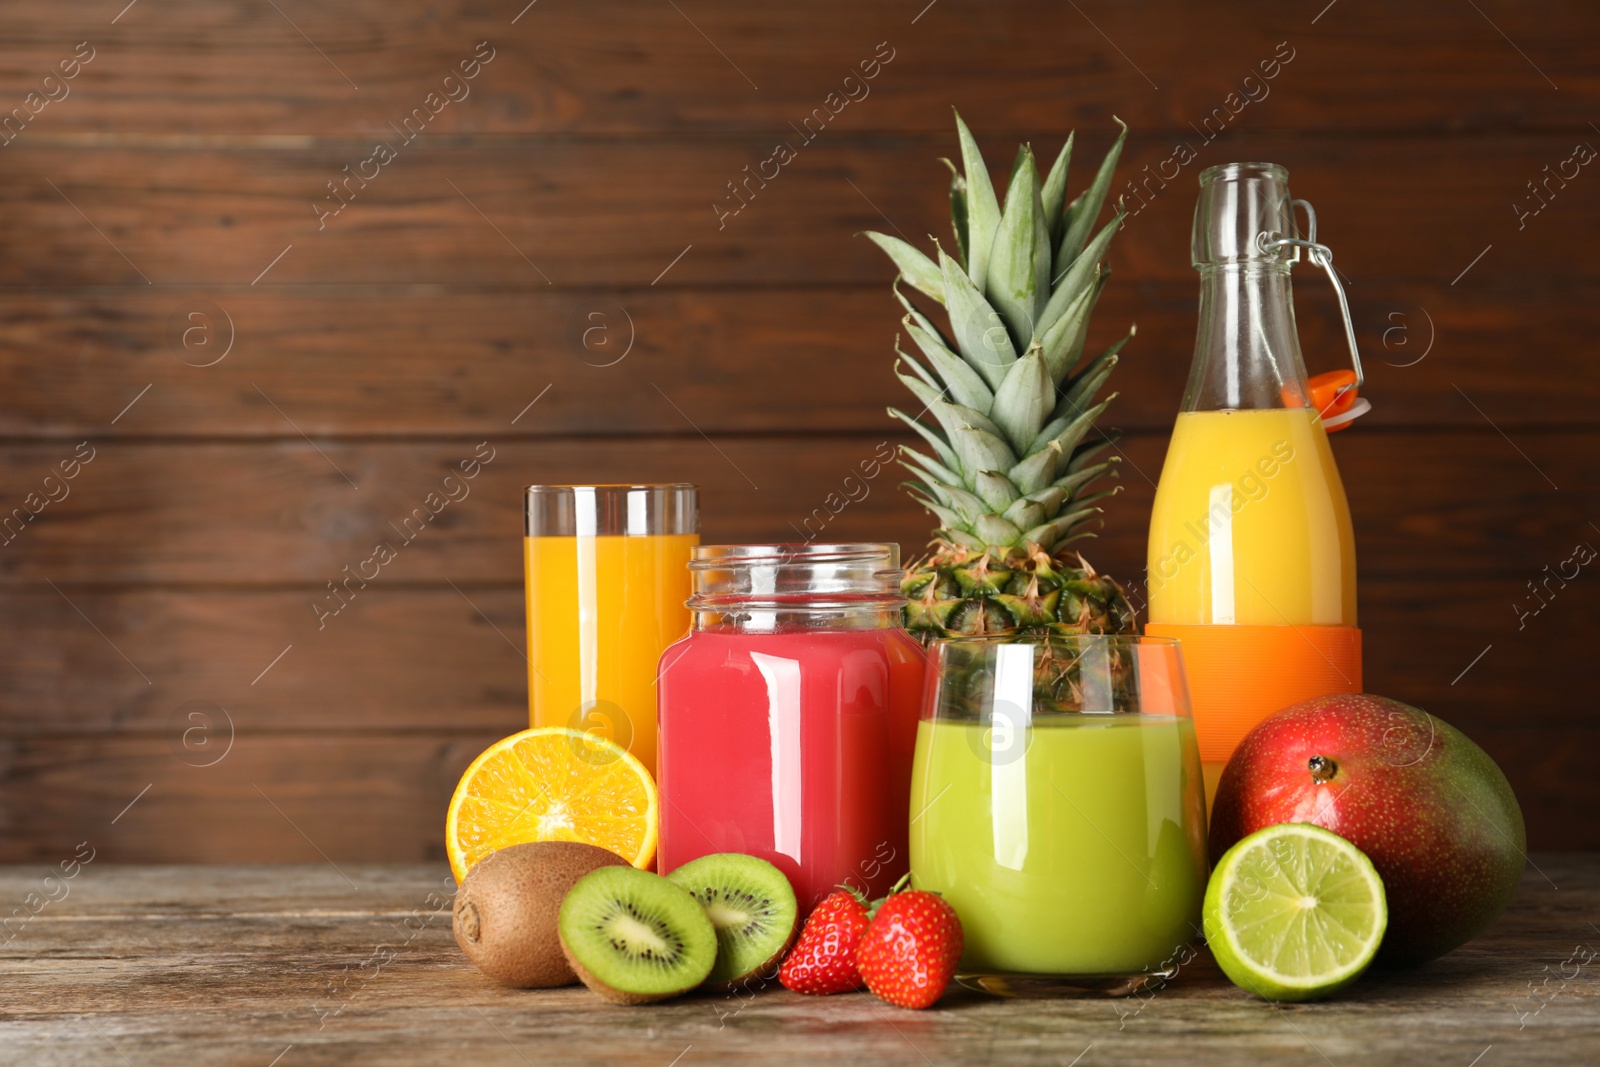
{"x":1294,"y":912}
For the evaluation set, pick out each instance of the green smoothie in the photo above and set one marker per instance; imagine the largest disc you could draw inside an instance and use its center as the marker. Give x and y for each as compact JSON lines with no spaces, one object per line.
{"x":1082,"y":854}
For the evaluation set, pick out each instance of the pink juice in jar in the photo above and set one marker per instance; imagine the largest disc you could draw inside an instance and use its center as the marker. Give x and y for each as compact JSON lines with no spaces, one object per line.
{"x":788,"y":716}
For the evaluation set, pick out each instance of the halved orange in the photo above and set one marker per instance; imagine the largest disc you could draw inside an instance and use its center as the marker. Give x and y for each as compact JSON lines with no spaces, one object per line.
{"x":552,"y":784}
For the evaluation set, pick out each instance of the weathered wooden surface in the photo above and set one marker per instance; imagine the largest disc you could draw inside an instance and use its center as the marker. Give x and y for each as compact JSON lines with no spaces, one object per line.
{"x":1426,"y":505}
{"x":809,"y":359}
{"x":196,"y":67}
{"x":461,"y":283}
{"x":317,"y":965}
{"x":389,"y":663}
{"x":598,"y":212}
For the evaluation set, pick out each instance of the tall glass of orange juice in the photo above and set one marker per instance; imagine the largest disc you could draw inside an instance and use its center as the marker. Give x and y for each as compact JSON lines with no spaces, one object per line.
{"x":607,"y":578}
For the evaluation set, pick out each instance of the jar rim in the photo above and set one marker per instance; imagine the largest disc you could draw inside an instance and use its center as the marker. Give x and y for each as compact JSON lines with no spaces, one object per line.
{"x":1236,"y":171}
{"x":863,"y":575}
{"x":707,"y":557}
{"x":831,"y":601}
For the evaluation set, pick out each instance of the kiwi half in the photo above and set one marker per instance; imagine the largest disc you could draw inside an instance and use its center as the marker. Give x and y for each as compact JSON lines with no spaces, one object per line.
{"x":633,"y":937}
{"x":751,"y":906}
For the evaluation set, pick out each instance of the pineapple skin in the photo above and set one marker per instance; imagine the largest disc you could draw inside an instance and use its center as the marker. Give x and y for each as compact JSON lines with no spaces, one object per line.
{"x":1003,"y":591}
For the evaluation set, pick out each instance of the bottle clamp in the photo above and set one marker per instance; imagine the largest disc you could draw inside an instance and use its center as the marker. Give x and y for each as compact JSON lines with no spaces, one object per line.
{"x":1335,"y":393}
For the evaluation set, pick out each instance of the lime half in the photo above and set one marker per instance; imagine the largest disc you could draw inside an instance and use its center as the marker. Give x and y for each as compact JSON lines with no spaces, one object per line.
{"x":1294,"y":912}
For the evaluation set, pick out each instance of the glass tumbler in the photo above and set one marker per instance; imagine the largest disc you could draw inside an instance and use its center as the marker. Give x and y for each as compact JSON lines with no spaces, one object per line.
{"x":1057,"y":804}
{"x":607,"y":578}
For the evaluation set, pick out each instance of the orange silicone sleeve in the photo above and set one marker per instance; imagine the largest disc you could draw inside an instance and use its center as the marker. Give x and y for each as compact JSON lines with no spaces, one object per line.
{"x":1239,"y":675}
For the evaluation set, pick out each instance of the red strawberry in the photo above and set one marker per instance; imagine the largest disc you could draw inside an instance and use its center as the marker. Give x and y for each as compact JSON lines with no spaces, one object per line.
{"x":911,"y":948}
{"x":824,"y":959}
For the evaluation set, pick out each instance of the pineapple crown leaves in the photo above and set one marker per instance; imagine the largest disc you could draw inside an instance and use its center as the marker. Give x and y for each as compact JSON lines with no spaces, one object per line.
{"x":1009,"y":408}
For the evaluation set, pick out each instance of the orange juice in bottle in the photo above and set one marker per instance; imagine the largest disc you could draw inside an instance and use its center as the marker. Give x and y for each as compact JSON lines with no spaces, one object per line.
{"x":1250,"y":525}
{"x":1251,"y":552}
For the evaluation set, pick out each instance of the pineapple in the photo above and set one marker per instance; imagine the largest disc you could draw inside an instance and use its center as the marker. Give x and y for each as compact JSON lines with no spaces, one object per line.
{"x":1015,"y":461}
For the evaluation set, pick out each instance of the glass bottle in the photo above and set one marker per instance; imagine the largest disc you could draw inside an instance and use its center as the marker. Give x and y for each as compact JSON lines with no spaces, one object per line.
{"x":1251,"y":552}
{"x":788,"y":715}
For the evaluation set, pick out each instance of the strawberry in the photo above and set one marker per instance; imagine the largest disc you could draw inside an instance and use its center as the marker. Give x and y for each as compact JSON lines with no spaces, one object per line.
{"x":824,"y":959}
{"x":911,"y":948}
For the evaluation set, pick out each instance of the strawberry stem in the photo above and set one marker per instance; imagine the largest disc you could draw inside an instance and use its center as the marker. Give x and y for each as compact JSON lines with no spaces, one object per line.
{"x":899,"y":887}
{"x":861,"y":898}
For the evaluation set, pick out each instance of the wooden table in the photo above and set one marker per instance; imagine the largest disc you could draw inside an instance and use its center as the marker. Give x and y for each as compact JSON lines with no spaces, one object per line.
{"x":291,"y":966}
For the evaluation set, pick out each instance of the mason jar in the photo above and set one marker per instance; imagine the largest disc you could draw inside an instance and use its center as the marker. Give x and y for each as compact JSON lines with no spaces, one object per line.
{"x":787,"y":718}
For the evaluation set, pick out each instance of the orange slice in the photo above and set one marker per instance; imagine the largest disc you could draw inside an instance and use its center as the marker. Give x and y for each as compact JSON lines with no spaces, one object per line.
{"x":552,"y":784}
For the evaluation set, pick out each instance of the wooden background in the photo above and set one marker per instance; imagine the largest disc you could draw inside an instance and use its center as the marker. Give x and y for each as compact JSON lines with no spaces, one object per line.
{"x":577,"y":180}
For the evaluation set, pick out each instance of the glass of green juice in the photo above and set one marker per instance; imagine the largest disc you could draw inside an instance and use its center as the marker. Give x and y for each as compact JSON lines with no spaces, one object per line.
{"x":1057,"y":804}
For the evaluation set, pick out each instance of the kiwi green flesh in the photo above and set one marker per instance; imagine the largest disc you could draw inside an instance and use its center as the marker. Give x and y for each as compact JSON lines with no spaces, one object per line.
{"x":751,"y":906}
{"x":634,"y":937}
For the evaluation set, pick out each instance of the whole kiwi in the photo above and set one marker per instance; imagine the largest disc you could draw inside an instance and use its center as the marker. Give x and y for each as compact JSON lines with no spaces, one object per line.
{"x":506,"y":909}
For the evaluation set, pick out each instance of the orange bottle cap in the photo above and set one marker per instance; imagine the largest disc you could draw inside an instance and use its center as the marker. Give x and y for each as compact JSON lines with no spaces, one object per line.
{"x":1336,"y":398}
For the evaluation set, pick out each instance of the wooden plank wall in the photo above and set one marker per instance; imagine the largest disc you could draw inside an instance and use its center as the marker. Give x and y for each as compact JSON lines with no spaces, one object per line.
{"x":227,"y":466}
